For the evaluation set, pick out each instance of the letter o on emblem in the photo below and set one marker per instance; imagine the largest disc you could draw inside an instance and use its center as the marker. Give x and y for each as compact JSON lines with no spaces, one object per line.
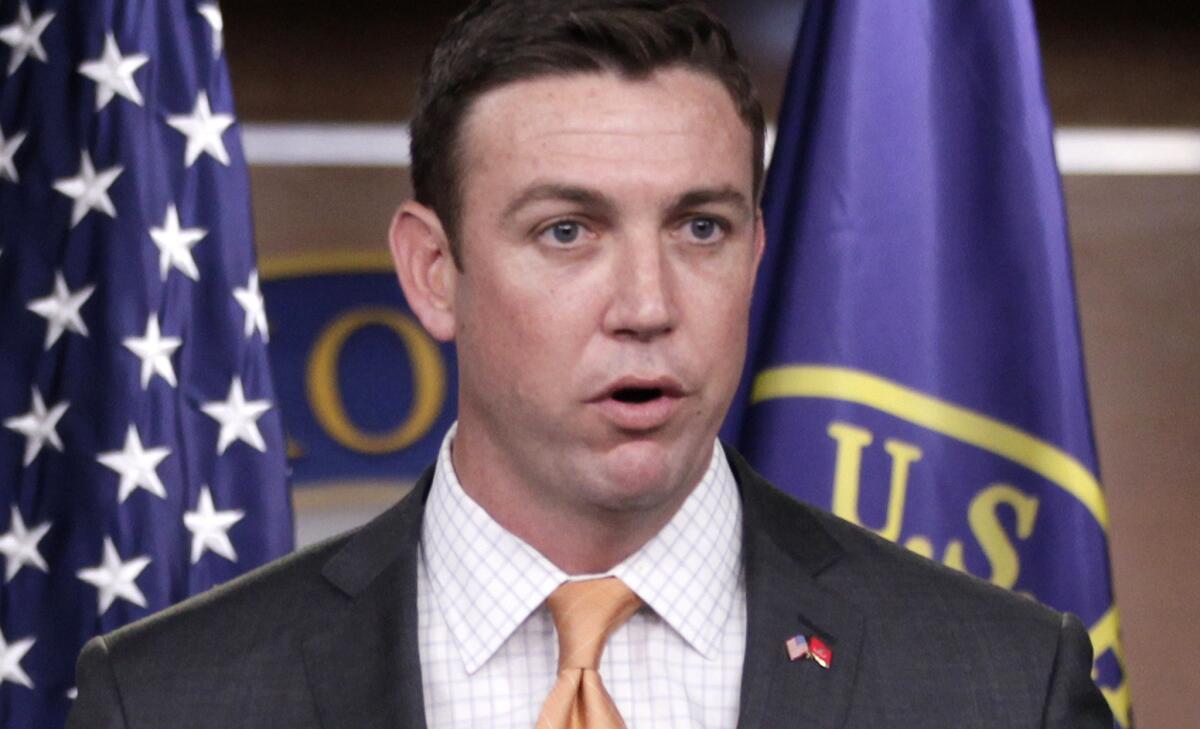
{"x":324,"y":393}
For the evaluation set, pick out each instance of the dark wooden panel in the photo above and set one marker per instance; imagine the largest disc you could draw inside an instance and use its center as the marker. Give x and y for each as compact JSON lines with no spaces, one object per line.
{"x":1106,"y":63}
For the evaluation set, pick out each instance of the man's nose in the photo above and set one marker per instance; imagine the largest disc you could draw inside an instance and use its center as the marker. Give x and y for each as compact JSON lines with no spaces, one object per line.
{"x":643,"y":304}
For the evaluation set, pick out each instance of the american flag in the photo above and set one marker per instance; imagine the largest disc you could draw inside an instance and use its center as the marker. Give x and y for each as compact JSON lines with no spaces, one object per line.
{"x":797,"y":647}
{"x":141,"y":450}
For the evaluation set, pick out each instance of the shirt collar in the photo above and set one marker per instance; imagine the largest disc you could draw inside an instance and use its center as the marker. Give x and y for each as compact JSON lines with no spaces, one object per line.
{"x":487,"y":581}
{"x":689,"y":573}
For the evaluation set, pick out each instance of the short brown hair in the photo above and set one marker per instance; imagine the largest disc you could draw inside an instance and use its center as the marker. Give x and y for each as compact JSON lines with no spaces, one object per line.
{"x":497,"y":42}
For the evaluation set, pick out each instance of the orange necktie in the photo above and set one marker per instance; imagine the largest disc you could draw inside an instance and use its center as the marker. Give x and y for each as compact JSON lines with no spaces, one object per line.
{"x":585,"y":614}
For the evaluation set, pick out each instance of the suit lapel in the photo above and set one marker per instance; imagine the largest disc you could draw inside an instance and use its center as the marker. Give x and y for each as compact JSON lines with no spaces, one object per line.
{"x":363,"y":663}
{"x":786,"y":553}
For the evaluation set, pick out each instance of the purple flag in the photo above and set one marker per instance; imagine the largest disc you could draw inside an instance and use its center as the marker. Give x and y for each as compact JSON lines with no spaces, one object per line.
{"x":915,"y":363}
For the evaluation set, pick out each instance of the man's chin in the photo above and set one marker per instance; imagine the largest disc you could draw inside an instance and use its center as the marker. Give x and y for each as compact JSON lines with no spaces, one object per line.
{"x":643,"y":475}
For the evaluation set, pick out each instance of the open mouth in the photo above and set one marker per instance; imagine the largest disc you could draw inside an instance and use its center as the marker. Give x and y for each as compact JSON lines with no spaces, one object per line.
{"x":637,"y":395}
{"x":641,"y":404}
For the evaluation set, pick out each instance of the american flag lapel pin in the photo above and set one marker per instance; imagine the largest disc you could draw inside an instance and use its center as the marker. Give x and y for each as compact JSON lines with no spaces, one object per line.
{"x":797,"y":647}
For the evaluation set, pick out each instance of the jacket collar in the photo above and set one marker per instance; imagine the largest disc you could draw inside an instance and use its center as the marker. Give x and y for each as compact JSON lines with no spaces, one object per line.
{"x":364,"y":663}
{"x":789,"y":557}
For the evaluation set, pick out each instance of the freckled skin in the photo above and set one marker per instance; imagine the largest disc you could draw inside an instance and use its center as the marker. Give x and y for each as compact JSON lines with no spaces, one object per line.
{"x":637,"y":286}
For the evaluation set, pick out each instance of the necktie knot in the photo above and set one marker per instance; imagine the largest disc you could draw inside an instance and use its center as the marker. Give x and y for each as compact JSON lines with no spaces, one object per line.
{"x":585,"y":614}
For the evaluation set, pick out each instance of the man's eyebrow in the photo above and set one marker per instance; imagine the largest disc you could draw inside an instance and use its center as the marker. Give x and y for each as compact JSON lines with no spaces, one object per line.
{"x":565,"y":193}
{"x":707,"y":196}
{"x":585,"y":197}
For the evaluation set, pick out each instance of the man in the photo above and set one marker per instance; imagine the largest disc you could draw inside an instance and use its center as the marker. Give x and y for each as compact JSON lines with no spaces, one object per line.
{"x":586,"y":230}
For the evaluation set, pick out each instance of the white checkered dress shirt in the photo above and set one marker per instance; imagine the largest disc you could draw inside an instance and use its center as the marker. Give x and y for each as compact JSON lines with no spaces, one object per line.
{"x":489,"y":653}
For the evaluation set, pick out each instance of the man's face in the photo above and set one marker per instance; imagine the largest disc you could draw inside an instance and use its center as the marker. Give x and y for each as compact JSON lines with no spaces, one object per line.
{"x":609,"y":246}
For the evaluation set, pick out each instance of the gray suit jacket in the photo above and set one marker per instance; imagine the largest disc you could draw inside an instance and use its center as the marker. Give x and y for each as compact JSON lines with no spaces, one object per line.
{"x":327,"y":637}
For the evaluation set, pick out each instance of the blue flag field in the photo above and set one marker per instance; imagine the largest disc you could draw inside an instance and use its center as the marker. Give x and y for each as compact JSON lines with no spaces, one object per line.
{"x":915,"y":362}
{"x":142,"y":457}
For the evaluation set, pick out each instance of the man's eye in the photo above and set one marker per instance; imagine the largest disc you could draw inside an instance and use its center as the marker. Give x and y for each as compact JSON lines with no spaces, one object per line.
{"x":704,"y":229}
{"x":565,"y":232}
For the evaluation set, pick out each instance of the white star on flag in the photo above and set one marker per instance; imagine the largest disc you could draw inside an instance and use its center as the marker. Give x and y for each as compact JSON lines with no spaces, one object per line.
{"x":203,"y":130}
{"x":8,"y":150}
{"x":115,"y":578}
{"x":10,"y":661}
{"x":38,"y":425}
{"x":155,"y":352}
{"x":212,"y":14}
{"x":136,"y":465}
{"x":113,"y":73}
{"x":19,"y":546}
{"x":61,"y":308}
{"x":175,"y":245}
{"x":210,"y":528}
{"x":25,"y":36}
{"x":89,"y":189}
{"x":251,"y":300}
{"x":238,"y":418}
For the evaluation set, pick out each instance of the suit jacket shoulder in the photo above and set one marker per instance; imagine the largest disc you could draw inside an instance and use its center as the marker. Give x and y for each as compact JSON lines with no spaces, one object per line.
{"x":915,"y":643}
{"x":323,"y":637}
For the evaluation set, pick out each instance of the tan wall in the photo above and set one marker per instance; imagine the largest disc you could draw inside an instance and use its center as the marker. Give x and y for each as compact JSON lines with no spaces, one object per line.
{"x":1137,"y":258}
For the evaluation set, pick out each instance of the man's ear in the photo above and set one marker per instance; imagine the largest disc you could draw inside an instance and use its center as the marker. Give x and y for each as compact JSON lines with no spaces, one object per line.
{"x":425,"y":267}
{"x":760,"y":239}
